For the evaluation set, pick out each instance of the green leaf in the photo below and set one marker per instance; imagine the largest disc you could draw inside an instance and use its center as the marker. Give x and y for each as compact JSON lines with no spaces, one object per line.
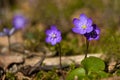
{"x":78,"y":73}
{"x":102,"y":74}
{"x":93,"y":64}
{"x":97,"y":75}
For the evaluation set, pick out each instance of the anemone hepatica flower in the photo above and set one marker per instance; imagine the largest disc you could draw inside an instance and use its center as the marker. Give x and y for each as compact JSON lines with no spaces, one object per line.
{"x":82,"y":25}
{"x":94,"y":34}
{"x":7,"y":32}
{"x":19,"y":21}
{"x":53,"y":35}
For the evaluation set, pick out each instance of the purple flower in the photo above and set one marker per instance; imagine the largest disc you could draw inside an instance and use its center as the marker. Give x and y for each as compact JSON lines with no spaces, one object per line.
{"x":7,"y":32}
{"x":53,"y":35}
{"x":94,"y":34}
{"x":82,"y":25}
{"x":19,"y":21}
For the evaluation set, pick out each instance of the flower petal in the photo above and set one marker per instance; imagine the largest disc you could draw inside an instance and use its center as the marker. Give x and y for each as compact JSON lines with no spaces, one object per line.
{"x":48,"y":39}
{"x":89,"y":29}
{"x":87,"y":35}
{"x":59,"y":39}
{"x":5,"y":30}
{"x":53,"y":42}
{"x":97,"y":30}
{"x":58,"y":33}
{"x":76,"y":22}
{"x":97,"y":37}
{"x":12,"y":31}
{"x":83,"y":18}
{"x":90,"y":38}
{"x":89,"y":22}
{"x":82,"y":31}
{"x":53,"y":27}
{"x":76,"y":30}
{"x":48,"y":32}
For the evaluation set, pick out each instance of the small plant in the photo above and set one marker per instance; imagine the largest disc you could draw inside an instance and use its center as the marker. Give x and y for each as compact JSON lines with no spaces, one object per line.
{"x":54,"y":37}
{"x":85,"y":26}
{"x":92,"y":68}
{"x":8,"y":32}
{"x":19,"y":22}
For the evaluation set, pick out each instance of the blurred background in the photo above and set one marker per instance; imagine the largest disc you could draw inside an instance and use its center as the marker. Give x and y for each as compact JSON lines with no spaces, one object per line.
{"x":41,"y":14}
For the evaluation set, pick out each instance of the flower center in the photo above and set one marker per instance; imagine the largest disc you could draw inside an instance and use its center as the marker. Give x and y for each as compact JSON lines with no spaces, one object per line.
{"x":53,"y":35}
{"x":84,"y":26}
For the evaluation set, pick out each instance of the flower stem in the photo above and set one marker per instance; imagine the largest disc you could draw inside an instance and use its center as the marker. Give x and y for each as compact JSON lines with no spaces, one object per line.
{"x":87,"y":46}
{"x":9,"y":45}
{"x":59,"y":48}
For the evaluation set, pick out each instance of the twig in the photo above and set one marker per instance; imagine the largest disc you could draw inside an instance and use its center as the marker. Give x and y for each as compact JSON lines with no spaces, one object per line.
{"x":37,"y":65}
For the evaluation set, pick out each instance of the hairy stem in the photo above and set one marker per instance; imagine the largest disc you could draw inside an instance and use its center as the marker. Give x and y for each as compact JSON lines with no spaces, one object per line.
{"x":59,"y":48}
{"x":87,"y":46}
